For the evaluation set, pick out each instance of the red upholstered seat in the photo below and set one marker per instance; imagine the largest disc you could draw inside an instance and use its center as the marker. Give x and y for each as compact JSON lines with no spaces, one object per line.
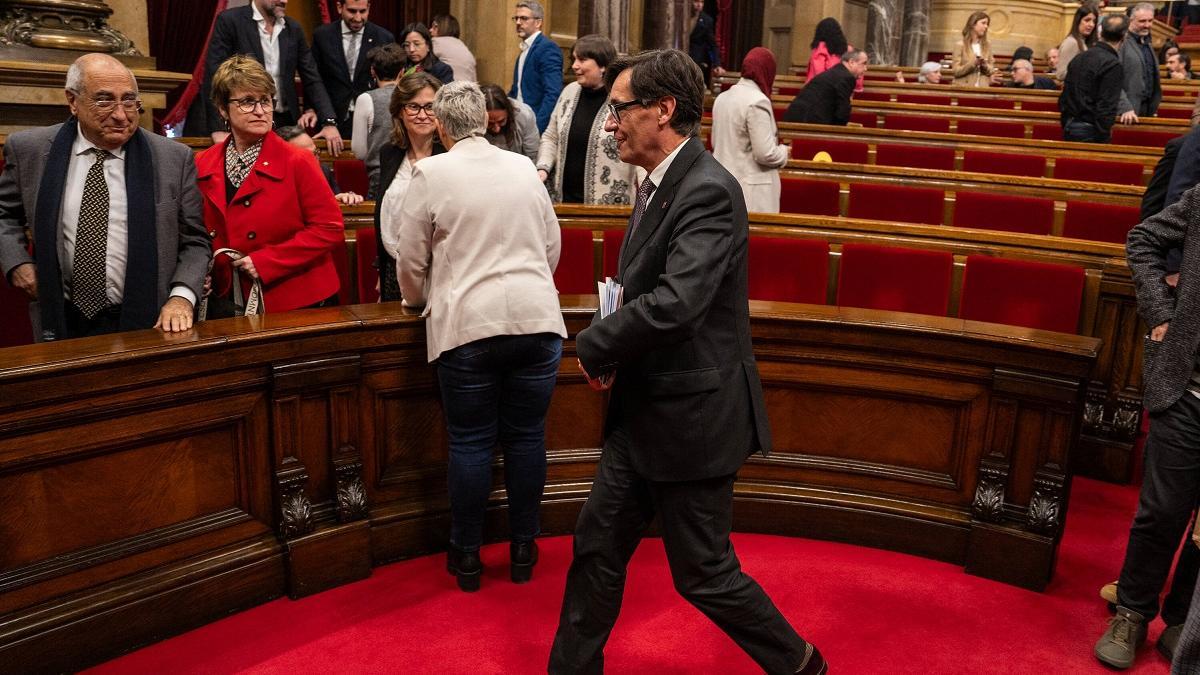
{"x":990,"y":128}
{"x":1022,"y":293}
{"x":895,"y":279}
{"x":1151,"y":139}
{"x":1047,"y":132}
{"x":576,"y":271}
{"x":914,"y":156}
{"x":855,"y":152}
{"x":351,"y":175}
{"x":812,"y":197}
{"x":15,"y":328}
{"x":867,"y":119}
{"x":788,"y":91}
{"x":992,"y":103}
{"x":1006,"y":213}
{"x":784,"y":269}
{"x":611,"y":251}
{"x":367,"y":247}
{"x":896,"y":203}
{"x":914,"y":123}
{"x":1098,"y":170}
{"x":977,"y":161}
{"x":1174,"y":113}
{"x":1099,"y":222}
{"x":872,"y":96}
{"x":778,"y":113}
{"x":1049,"y":105}
{"x":346,"y":284}
{"x":923,"y":99}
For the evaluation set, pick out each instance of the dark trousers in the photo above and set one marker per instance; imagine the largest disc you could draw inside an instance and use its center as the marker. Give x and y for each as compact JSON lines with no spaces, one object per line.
{"x":1083,"y":132}
{"x":695,"y":518}
{"x":78,"y":325}
{"x":1170,"y":490}
{"x":1187,"y":652}
{"x":497,"y":390}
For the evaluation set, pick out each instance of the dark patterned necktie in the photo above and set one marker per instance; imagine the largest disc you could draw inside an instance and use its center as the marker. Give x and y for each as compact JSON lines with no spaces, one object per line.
{"x":91,"y":242}
{"x":639,"y":208}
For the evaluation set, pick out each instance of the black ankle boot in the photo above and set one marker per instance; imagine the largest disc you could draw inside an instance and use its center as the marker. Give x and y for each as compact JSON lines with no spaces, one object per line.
{"x":524,"y":555}
{"x":465,"y":566}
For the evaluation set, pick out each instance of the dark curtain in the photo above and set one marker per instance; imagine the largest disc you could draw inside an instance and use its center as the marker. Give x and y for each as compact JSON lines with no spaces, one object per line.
{"x":179,"y":34}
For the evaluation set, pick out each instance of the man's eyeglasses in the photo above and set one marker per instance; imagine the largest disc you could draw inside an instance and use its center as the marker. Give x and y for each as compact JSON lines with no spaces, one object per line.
{"x":414,"y":109}
{"x":615,"y":109}
{"x":108,"y":105}
{"x":522,"y":19}
{"x":247,"y":105}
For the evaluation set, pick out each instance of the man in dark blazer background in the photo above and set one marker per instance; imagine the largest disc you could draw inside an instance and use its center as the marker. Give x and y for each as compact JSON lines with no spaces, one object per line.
{"x":118,"y":236}
{"x":826,"y":98}
{"x":702,"y":43}
{"x":352,"y":35}
{"x":261,"y":30}
{"x":538,"y":72}
{"x":687,"y":407}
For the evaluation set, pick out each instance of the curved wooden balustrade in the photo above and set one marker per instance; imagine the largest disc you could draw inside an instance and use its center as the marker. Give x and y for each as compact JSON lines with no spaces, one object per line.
{"x":152,"y":483}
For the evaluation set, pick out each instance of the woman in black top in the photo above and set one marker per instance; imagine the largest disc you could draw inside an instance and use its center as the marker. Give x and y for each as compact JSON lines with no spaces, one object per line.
{"x":418,"y":45}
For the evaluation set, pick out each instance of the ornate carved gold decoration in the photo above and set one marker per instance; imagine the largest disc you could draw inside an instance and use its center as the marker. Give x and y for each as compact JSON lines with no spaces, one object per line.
{"x":80,"y":25}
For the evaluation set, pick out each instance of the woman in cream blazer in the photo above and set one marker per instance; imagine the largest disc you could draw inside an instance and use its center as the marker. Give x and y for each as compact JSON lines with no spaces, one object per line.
{"x":973,"y":63}
{"x":744,"y":137}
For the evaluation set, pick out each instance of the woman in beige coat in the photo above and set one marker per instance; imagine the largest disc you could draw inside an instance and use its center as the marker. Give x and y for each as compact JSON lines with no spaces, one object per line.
{"x":973,"y":63}
{"x":1081,"y":37}
{"x":744,"y":137}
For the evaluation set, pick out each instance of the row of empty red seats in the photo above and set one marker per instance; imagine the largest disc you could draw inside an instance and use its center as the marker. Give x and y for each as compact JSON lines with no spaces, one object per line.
{"x":988,"y":211}
{"x":1045,"y":131}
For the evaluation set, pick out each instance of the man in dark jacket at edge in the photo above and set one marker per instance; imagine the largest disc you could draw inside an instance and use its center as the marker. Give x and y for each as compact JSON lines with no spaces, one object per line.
{"x":1092,"y":88}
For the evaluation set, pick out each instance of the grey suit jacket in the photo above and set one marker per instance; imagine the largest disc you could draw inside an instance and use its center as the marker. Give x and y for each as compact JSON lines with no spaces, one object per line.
{"x":1137,"y":94}
{"x":1167,"y":365}
{"x":183,"y":245}
{"x":687,"y":388}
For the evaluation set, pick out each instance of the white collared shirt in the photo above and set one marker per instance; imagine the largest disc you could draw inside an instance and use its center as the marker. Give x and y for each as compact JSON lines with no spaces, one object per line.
{"x":270,"y":47}
{"x":525,"y":45}
{"x":118,"y":215}
{"x":660,"y":171}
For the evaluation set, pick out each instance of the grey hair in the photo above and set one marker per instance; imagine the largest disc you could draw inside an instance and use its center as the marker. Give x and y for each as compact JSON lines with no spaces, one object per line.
{"x":1022,"y":63}
{"x":534,"y":7}
{"x":852,"y":54}
{"x":460,"y":107}
{"x":76,"y":72}
{"x":929,"y":67}
{"x":1143,"y":6}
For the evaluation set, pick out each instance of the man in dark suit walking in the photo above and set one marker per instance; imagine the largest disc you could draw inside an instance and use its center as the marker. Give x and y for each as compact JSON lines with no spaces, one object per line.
{"x":118,"y":234}
{"x":687,"y":407}
{"x":340,"y":49}
{"x":702,"y":43}
{"x":538,"y":72}
{"x":261,"y":30}
{"x":826,"y":99}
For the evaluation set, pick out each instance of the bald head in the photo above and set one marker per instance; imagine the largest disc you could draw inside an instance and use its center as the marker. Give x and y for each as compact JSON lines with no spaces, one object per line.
{"x":103,"y":95}
{"x":90,"y":64}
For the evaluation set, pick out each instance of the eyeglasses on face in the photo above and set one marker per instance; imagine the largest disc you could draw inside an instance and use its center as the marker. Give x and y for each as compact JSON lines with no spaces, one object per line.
{"x":522,"y":19}
{"x":107,"y":105}
{"x":615,"y":109}
{"x":247,"y":105}
{"x":413,"y":45}
{"x":414,"y":109}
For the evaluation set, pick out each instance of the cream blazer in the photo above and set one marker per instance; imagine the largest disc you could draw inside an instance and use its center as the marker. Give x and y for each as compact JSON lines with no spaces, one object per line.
{"x":477,"y":247}
{"x":966,"y":74}
{"x":745,"y":141}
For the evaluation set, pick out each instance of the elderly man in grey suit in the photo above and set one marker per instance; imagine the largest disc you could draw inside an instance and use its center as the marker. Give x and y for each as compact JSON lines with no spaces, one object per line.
{"x":118,"y":235}
{"x":687,"y":407}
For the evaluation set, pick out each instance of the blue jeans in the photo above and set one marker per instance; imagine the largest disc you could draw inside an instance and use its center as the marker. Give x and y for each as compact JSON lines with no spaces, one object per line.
{"x":497,"y":390}
{"x":1084,"y":132}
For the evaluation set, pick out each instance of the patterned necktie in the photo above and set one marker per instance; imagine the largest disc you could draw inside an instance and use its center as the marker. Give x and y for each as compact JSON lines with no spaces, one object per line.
{"x":352,"y":53}
{"x":91,"y":242}
{"x":639,"y":208}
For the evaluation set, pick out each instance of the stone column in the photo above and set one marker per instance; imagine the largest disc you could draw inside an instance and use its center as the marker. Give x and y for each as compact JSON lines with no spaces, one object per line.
{"x":665,"y":24}
{"x":885,"y":19}
{"x":914,"y":46}
{"x":609,"y":18}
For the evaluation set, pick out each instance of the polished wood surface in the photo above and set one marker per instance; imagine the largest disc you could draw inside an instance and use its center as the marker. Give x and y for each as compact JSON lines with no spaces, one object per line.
{"x":150,"y":483}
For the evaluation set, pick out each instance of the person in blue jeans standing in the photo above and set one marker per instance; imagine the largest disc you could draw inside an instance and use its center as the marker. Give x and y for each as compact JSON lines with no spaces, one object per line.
{"x":477,"y":247}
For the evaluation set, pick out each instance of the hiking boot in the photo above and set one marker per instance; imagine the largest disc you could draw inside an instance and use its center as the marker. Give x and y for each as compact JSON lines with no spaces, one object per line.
{"x":1169,"y":640}
{"x":1118,"y":646}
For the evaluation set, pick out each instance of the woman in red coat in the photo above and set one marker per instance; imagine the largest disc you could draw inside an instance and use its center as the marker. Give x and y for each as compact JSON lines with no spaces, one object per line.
{"x":267,"y":198}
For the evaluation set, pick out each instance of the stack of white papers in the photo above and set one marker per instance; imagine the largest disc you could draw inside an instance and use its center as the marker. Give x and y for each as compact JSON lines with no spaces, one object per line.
{"x":610,"y":300}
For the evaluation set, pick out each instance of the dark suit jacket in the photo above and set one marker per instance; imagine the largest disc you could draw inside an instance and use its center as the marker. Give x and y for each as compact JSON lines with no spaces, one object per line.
{"x":542,"y":81}
{"x":330,"y":58}
{"x":824,"y":100}
{"x":236,"y":32}
{"x":702,"y":43}
{"x":687,"y":389}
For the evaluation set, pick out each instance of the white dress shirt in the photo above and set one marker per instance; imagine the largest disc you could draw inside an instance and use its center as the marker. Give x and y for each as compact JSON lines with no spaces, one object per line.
{"x":656,"y":176}
{"x":389,"y":210}
{"x":270,"y":47}
{"x":525,"y":45}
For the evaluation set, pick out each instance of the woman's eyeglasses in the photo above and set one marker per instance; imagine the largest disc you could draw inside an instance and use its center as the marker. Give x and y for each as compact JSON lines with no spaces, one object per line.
{"x":414,"y":109}
{"x":247,"y":105}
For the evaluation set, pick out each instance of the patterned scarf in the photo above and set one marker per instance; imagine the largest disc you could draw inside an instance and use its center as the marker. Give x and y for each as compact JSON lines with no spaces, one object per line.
{"x":239,"y":164}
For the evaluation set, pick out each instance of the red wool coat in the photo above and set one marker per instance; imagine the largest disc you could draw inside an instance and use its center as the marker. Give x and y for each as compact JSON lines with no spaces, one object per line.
{"x":284,"y":217}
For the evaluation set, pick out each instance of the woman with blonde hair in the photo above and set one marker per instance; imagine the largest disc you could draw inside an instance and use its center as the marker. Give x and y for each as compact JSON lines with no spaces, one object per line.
{"x":973,"y":63}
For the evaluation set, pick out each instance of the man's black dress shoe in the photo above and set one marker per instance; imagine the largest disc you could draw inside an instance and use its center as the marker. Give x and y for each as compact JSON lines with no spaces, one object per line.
{"x":465,"y":566}
{"x":816,"y":664}
{"x":524,"y":555}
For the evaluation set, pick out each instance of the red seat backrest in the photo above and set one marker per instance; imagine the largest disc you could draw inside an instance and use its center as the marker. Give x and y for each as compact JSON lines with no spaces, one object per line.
{"x":1174,"y":113}
{"x":1006,"y":213}
{"x":923,"y":99}
{"x":787,"y":269}
{"x":610,"y":253}
{"x":896,"y":203}
{"x":1022,"y":293}
{"x":1150,"y":139}
{"x":1047,"y":132}
{"x":914,"y":156}
{"x":576,"y":271}
{"x":1098,"y":170}
{"x":346,"y":282}
{"x":787,"y":91}
{"x":992,"y":103}
{"x":855,"y":152}
{"x":867,"y":119}
{"x":351,"y":175}
{"x":914,"y":123}
{"x":991,"y":128}
{"x":15,"y":327}
{"x":1050,"y":105}
{"x":812,"y":197}
{"x":977,"y":161}
{"x":895,"y":279}
{"x":1100,"y":222}
{"x":872,"y":96}
{"x":367,"y":247}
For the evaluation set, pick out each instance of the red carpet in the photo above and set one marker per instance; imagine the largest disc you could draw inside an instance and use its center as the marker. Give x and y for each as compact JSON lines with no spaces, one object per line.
{"x":869,"y":611}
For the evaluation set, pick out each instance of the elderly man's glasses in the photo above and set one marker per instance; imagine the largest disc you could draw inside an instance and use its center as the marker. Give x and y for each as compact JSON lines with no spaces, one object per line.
{"x":108,"y":105}
{"x":414,"y":109}
{"x":615,"y":109}
{"x":247,"y":105}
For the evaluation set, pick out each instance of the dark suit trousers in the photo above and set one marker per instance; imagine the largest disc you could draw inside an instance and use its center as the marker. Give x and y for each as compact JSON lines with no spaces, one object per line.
{"x":695,"y":518}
